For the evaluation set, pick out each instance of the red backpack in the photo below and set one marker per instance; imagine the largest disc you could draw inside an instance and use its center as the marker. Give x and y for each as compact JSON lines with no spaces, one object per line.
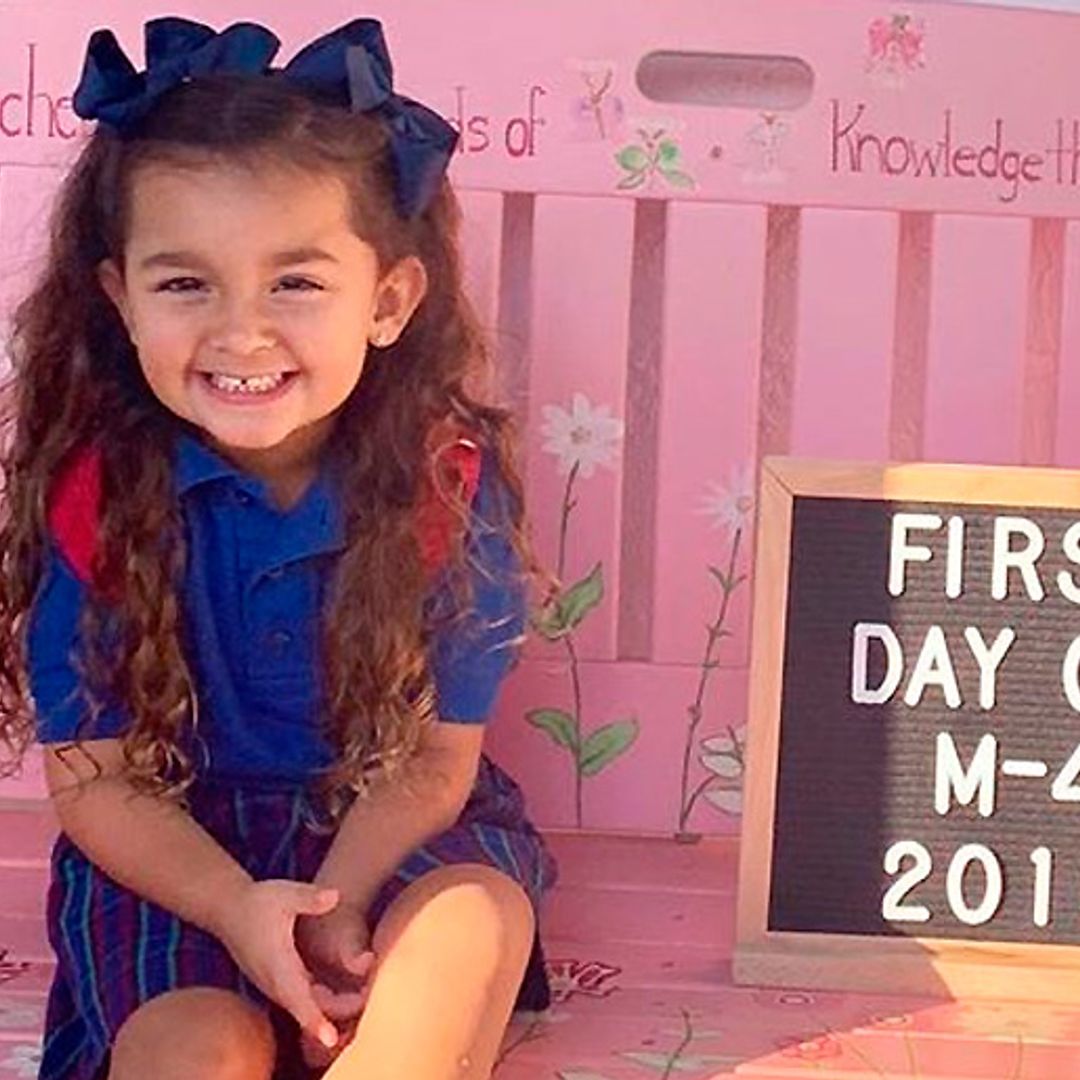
{"x":75,"y":501}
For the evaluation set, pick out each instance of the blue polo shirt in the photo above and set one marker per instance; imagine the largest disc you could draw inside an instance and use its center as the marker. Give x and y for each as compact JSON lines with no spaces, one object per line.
{"x":256,"y":582}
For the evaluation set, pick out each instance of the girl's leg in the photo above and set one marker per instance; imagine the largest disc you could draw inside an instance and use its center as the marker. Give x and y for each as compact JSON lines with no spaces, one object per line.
{"x":452,"y":948}
{"x":202,"y":1032}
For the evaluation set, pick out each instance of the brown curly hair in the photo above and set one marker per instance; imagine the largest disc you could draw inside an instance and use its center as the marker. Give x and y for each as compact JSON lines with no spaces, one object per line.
{"x":76,"y":382}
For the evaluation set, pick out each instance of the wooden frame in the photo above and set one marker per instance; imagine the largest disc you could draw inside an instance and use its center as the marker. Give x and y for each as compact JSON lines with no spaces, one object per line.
{"x":914,"y":965}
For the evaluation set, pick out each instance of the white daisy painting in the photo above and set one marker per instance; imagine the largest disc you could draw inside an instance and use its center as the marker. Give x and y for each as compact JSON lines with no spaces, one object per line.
{"x":730,"y":505}
{"x":21,"y":1059}
{"x":585,"y":435}
{"x":580,"y":438}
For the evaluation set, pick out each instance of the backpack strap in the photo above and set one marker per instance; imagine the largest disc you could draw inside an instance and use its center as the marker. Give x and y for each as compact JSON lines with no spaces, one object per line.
{"x":74,"y":504}
{"x":73,"y":511}
{"x":454,"y":467}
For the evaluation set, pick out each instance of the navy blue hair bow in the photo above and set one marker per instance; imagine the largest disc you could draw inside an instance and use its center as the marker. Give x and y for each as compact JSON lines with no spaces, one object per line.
{"x":350,"y":66}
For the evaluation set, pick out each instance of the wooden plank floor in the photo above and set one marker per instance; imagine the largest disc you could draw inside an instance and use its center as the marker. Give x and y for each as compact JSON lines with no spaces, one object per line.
{"x":639,"y":936}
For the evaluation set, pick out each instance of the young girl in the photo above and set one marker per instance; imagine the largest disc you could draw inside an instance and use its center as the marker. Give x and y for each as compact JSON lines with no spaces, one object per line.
{"x":263,"y":567}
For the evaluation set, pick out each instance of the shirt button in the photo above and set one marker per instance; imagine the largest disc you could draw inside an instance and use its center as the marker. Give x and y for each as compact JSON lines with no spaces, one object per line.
{"x":279,"y":640}
{"x":242,"y":498}
{"x":276,"y":574}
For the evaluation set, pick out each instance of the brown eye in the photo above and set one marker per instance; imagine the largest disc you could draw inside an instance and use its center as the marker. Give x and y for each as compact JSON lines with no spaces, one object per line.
{"x":299,"y":284}
{"x":179,"y":285}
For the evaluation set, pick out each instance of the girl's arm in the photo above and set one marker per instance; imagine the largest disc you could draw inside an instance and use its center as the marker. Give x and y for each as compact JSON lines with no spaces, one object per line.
{"x":379,"y":831}
{"x":157,"y":850}
{"x":468,"y":662}
{"x":149,"y":845}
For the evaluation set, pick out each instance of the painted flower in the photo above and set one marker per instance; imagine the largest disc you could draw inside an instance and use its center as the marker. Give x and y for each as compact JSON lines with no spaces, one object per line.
{"x":656,"y":153}
{"x":815,"y":1048}
{"x":723,"y":756}
{"x":891,"y":1021}
{"x":899,"y":40}
{"x":19,"y":1017}
{"x":598,"y":114}
{"x":1037,"y":1023}
{"x":763,"y":146}
{"x":731,"y":505}
{"x":897,"y":48}
{"x":534,"y":1019}
{"x":587,"y":977}
{"x":583,"y":435}
{"x":11,"y":969}
{"x":23,"y":1060}
{"x":727,"y":800}
{"x":784,"y":999}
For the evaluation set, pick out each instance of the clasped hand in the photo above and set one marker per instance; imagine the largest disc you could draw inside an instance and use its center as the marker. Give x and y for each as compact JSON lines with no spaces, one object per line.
{"x":306,"y":951}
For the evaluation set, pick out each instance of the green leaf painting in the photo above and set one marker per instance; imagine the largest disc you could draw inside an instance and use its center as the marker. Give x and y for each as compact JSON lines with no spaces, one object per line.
{"x":605,"y":744}
{"x":656,"y":155}
{"x":558,"y":724}
{"x":582,"y":437}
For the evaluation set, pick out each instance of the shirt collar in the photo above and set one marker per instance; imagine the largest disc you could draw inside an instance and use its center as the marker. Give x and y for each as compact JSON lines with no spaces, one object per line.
{"x":317,"y":524}
{"x":196,"y":464}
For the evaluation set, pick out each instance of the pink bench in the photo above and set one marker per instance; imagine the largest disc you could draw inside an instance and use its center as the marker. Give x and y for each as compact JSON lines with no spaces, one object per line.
{"x":880,"y":260}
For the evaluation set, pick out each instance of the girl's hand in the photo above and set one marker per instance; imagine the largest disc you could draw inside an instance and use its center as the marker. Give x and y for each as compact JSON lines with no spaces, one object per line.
{"x":335,"y":948}
{"x":258,"y":928}
{"x":344,"y":1010}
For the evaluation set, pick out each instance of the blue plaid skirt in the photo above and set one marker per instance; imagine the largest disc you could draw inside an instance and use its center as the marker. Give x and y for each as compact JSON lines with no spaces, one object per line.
{"x":115,"y":950}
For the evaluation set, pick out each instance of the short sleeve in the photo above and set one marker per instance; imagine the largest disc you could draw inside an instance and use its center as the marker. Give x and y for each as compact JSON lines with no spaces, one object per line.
{"x":470,"y":656}
{"x":52,"y":638}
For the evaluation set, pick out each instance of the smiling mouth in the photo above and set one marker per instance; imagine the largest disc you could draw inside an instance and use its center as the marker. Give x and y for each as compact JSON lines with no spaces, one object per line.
{"x":250,"y":384}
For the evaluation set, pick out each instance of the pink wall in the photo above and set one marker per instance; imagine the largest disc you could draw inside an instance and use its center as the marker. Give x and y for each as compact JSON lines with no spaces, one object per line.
{"x":692,"y":286}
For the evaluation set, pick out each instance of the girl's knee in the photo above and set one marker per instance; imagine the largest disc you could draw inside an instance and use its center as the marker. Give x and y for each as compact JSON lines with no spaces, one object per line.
{"x":198,"y":1031}
{"x":468,"y":909}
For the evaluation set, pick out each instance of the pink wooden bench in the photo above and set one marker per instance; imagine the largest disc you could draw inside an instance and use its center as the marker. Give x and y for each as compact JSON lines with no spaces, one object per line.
{"x":792,"y":254}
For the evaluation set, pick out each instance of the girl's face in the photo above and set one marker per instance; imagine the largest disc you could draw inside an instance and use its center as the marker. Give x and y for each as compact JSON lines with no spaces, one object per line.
{"x":251,"y":302}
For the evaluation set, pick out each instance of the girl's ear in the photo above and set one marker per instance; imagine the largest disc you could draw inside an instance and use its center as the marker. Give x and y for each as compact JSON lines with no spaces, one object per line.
{"x":111,"y":279}
{"x":397,"y":296}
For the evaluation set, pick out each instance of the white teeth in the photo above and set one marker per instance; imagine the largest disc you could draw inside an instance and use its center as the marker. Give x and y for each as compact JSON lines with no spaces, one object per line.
{"x":259,"y":384}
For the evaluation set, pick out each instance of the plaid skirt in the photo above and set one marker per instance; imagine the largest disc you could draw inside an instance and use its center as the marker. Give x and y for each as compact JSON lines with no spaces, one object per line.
{"x":115,"y":950}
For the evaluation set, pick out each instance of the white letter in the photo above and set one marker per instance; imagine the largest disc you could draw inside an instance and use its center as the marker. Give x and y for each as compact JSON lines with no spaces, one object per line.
{"x":954,"y":559}
{"x":949,"y":775}
{"x":893,"y":907}
{"x":1070,"y":544}
{"x":1023,"y":560}
{"x":933,"y":666}
{"x":988,"y":661}
{"x":1064,"y":787}
{"x":900,"y":552}
{"x":1043,"y":859}
{"x":1068,"y":674}
{"x":861,"y":694}
{"x":954,"y":884}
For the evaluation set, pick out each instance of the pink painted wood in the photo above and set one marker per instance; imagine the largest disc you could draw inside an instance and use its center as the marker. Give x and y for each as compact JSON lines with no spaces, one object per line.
{"x":844,"y":345}
{"x":581,"y":282}
{"x":638,"y":939}
{"x":822,"y":284}
{"x":714,"y":283}
{"x":977,"y":324}
{"x":643,"y":790}
{"x":1067,"y":449}
{"x":481,"y":239}
{"x":26,"y":194}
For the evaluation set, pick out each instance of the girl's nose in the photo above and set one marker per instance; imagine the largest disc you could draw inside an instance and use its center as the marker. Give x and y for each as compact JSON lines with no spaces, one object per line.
{"x":242,"y":331}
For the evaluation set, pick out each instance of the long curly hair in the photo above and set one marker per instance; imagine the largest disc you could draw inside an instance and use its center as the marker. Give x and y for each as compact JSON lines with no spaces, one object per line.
{"x":76,"y":382}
